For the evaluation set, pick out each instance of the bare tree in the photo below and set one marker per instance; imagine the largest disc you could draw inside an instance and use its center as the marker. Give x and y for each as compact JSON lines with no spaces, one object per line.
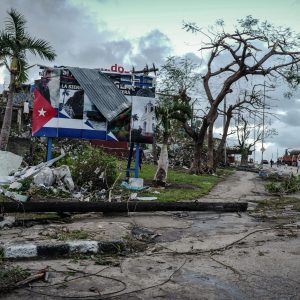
{"x":253,"y":48}
{"x":248,"y":102}
{"x":244,"y":129}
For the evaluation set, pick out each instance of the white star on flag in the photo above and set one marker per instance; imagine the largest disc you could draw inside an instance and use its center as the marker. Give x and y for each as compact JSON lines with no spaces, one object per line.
{"x":42,"y":112}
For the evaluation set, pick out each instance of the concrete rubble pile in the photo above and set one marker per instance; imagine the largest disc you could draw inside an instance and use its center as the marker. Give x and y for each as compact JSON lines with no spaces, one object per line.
{"x":42,"y":174}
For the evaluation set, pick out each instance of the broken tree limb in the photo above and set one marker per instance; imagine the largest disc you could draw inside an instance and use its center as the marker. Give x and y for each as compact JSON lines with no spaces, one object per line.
{"x":34,"y":277}
{"x":131,"y":206}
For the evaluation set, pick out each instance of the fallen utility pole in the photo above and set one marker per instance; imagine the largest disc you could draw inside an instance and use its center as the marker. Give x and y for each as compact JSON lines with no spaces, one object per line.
{"x":131,"y":206}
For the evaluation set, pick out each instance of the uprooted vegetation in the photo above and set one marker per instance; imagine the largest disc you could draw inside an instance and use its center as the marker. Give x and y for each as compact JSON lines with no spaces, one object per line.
{"x":280,"y":210}
{"x":283,"y":186}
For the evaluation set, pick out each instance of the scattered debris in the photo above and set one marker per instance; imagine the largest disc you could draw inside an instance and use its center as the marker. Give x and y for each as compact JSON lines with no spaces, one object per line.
{"x":60,"y":176}
{"x":273,"y":174}
{"x":146,"y":198}
{"x":136,"y":182}
{"x":9,"y":162}
{"x":128,"y":186}
{"x":28,"y":172}
{"x":6,"y":179}
{"x":45,"y":177}
{"x":63,"y":177}
{"x":15,"y":185}
{"x":16,"y":196}
{"x":133,"y":196}
{"x":34,"y":277}
{"x":7,"y":222}
{"x":144,"y":234}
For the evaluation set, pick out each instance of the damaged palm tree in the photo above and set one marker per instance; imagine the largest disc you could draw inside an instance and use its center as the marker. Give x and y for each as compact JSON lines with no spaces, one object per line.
{"x":15,"y":42}
{"x":167,"y":111}
{"x":176,"y":79}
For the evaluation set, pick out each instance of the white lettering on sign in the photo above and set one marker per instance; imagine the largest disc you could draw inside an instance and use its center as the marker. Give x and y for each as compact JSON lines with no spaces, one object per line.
{"x":70,"y":86}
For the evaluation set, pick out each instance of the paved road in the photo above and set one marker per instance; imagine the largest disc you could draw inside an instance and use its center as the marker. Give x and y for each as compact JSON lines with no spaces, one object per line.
{"x":190,"y":255}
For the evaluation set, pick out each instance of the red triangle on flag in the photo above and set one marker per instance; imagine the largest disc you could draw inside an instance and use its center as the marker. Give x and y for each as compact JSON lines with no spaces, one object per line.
{"x":42,"y":111}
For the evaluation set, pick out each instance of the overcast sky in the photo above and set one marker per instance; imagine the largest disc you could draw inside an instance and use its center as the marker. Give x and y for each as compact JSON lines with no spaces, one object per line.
{"x":100,"y":33}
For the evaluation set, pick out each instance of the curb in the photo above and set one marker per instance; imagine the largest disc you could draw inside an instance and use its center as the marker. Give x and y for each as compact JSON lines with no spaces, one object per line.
{"x":56,"y":249}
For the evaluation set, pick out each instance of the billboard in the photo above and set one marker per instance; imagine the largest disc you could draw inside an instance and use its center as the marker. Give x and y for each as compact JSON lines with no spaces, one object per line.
{"x":63,"y":109}
{"x":138,"y":124}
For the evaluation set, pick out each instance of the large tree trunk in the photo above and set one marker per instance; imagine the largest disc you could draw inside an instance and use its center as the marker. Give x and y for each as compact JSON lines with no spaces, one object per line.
{"x":198,"y":159}
{"x":244,"y":157}
{"x":210,"y":150}
{"x":154,"y":147}
{"x":219,"y":157}
{"x":6,"y":125}
{"x":161,"y":174}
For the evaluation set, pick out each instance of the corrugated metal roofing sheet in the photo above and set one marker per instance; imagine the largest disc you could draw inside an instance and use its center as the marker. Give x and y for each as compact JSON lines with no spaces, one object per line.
{"x":101,"y":91}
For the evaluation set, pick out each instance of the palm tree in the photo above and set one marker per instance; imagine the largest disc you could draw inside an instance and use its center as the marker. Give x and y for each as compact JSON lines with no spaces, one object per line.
{"x":168,"y":109}
{"x":15,"y":42}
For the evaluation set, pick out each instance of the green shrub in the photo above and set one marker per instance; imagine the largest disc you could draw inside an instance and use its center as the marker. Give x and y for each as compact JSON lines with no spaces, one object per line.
{"x":91,"y":168}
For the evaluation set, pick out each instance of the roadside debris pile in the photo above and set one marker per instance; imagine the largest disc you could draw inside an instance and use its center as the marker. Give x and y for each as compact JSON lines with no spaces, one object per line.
{"x":273,"y":174}
{"x":284,"y":185}
{"x":85,"y":175}
{"x":249,"y":168}
{"x":180,"y":155}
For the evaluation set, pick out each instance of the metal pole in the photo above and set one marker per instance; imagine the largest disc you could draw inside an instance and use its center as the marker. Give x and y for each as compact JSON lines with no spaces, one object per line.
{"x":254,"y":138}
{"x":224,"y":124}
{"x":137,"y":161}
{"x":263,"y":126}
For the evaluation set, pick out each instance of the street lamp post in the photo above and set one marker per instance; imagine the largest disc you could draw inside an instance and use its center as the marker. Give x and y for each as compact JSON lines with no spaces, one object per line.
{"x":263,"y":126}
{"x":224,"y":124}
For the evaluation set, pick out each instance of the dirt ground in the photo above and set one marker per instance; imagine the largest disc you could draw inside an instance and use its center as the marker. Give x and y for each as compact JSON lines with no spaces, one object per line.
{"x":185,"y":255}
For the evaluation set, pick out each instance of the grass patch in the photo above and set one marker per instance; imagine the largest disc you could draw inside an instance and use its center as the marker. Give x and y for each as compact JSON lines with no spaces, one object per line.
{"x":62,"y":235}
{"x":186,"y":186}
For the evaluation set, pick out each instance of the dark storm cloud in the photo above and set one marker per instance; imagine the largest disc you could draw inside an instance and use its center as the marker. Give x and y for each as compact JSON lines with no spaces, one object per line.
{"x":292,"y":118}
{"x":153,"y":47}
{"x":78,"y":41}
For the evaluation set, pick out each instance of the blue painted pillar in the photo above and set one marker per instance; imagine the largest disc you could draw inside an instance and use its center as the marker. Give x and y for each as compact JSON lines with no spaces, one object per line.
{"x":137,"y":161}
{"x":49,"y":149}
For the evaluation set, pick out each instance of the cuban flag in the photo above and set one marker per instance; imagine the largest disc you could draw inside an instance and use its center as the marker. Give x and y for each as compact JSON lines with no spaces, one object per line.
{"x":43,"y":112}
{"x":48,"y":121}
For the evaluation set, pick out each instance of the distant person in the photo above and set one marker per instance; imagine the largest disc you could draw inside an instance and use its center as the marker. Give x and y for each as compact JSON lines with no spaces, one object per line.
{"x":271,"y":163}
{"x":298,"y":164}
